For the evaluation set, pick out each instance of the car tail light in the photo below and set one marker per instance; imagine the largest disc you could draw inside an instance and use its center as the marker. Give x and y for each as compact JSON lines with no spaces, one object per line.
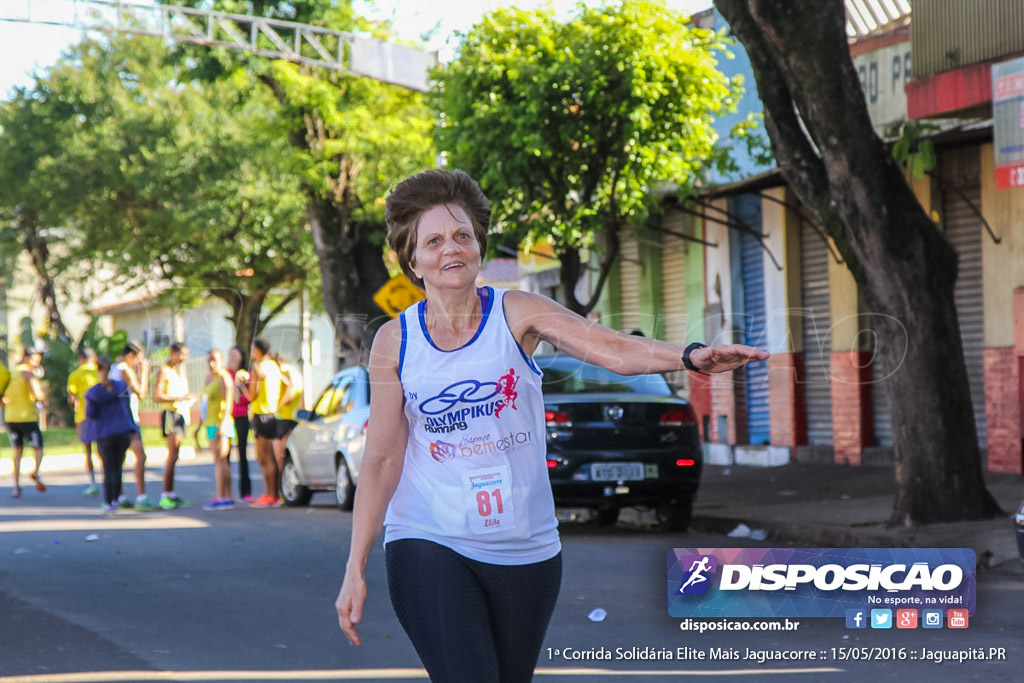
{"x":555,"y":418}
{"x":552,"y":464}
{"x":677,"y":417}
{"x":685,"y":462}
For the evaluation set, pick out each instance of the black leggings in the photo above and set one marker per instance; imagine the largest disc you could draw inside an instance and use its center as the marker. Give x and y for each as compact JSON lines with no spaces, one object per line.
{"x":242,"y":434}
{"x":112,"y":450}
{"x":471,"y":621}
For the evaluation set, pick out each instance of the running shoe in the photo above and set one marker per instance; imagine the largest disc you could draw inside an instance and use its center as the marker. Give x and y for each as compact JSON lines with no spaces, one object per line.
{"x":91,"y":490}
{"x":145,"y":504}
{"x":125,"y":502}
{"x":40,"y":486}
{"x":108,"y":509}
{"x":266,"y":501}
{"x":168,"y":503}
{"x":248,"y":499}
{"x":16,"y":492}
{"x":220,"y":504}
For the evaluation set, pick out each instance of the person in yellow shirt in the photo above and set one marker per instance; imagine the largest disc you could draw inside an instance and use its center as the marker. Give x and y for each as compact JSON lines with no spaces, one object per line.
{"x":81,"y":379}
{"x":291,"y":400}
{"x":220,"y":427}
{"x":5,"y":379}
{"x":23,"y":396}
{"x":264,"y":392}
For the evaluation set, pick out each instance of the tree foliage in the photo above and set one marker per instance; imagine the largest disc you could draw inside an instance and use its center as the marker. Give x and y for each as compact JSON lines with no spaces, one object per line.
{"x":568,"y":125}
{"x":906,"y":269}
{"x":355,"y":138}
{"x":153,"y":176}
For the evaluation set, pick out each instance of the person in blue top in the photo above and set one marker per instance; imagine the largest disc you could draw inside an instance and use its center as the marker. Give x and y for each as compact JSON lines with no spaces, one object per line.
{"x":109,"y":423}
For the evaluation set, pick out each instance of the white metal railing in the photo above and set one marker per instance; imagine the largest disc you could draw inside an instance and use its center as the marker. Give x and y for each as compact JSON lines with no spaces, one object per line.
{"x":394,"y":63}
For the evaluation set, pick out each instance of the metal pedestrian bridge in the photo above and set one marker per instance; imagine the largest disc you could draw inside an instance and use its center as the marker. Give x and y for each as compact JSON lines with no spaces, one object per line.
{"x":341,"y":51}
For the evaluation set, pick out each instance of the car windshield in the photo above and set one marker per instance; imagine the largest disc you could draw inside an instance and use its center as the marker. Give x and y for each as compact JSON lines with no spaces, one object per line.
{"x":566,"y":375}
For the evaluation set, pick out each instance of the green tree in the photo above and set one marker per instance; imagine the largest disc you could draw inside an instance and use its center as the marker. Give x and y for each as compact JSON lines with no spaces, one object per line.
{"x":906,"y":269}
{"x":569,"y":124}
{"x":356,"y":138}
{"x":151,"y":175}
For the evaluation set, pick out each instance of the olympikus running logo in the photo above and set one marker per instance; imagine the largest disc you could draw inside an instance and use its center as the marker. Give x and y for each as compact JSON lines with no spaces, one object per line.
{"x":462,"y":402}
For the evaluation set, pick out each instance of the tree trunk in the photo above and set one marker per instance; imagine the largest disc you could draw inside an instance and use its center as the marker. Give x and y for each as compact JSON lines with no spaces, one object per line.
{"x":352,"y":269}
{"x":572,"y":268}
{"x":827,"y":149}
{"x":39,"y":250}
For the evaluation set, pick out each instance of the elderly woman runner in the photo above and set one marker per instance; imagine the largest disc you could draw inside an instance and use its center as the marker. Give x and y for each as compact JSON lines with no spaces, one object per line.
{"x":454,"y":466}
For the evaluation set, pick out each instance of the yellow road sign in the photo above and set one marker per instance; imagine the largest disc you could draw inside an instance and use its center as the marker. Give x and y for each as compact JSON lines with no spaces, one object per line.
{"x":397,"y":294}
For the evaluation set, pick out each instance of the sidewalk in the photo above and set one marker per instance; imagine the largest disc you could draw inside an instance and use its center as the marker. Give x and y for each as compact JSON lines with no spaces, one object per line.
{"x":844,"y":506}
{"x":156,"y":456}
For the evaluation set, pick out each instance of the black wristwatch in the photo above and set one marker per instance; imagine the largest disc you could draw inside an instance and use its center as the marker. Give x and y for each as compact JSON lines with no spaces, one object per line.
{"x":687,"y":363}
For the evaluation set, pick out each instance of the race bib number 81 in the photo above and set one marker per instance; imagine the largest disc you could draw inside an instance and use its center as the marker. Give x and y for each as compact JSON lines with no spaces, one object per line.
{"x":488,"y":496}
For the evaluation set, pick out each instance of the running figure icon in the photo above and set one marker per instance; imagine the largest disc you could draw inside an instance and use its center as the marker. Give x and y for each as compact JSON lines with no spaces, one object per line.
{"x":697,"y":570}
{"x":507,"y":388}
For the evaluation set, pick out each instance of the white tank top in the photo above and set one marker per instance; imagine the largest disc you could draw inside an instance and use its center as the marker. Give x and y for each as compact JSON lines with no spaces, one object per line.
{"x":475,"y":475}
{"x":117,"y":372}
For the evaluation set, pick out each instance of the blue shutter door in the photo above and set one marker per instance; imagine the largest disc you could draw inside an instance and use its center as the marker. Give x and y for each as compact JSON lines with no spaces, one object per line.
{"x":748,"y":209}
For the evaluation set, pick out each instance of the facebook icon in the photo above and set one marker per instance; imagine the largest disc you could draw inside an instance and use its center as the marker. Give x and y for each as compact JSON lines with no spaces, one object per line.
{"x":856,"y":618}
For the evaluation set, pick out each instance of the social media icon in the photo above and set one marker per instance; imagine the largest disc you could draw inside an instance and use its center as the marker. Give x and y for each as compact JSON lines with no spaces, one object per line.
{"x":931,"y":618}
{"x":957,"y":618}
{"x":906,"y":618}
{"x":856,"y":618}
{"x":881,"y":618}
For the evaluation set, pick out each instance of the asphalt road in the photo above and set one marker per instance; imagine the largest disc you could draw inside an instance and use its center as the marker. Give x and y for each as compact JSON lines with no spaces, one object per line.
{"x":247,"y":595}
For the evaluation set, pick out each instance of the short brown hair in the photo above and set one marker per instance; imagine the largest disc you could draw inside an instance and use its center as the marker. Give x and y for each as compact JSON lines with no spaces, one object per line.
{"x":419,"y":193}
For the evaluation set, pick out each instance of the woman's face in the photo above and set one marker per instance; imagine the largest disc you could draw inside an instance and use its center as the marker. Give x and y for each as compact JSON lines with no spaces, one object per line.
{"x":213,"y":361}
{"x":234,"y":359}
{"x":447,"y":254}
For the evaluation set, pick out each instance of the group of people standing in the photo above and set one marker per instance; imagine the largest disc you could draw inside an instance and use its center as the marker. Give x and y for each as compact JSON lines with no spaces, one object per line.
{"x":106,"y":396}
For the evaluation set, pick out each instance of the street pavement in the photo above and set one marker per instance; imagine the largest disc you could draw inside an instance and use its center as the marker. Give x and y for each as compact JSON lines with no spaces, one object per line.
{"x":247,"y":594}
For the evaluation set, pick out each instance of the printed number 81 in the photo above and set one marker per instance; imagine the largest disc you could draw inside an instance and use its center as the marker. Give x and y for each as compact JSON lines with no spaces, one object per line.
{"x":483,"y":502}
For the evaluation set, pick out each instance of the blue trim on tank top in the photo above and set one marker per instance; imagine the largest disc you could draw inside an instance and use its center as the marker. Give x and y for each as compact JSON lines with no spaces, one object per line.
{"x":422,"y":309}
{"x":401,"y":351}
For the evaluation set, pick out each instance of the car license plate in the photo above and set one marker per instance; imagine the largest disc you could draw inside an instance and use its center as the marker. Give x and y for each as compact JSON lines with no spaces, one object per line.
{"x":617,"y":471}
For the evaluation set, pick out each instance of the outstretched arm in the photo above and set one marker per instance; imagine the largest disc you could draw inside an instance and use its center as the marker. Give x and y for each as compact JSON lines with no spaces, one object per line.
{"x":534,"y":318}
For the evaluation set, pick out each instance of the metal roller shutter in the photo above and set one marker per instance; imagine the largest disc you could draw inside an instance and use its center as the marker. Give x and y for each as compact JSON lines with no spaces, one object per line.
{"x":881,"y":406}
{"x":748,"y":208}
{"x":673,"y":280}
{"x":814,"y":258}
{"x":961,"y":168}
{"x":629,"y":283}
{"x":673,"y":292}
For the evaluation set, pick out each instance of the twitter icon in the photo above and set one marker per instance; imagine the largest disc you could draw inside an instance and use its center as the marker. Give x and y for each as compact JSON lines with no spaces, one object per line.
{"x":881,"y":618}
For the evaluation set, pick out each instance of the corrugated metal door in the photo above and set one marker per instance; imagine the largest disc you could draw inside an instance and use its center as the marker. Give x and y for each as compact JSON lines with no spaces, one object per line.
{"x":881,"y":406}
{"x":814,"y":258}
{"x":748,"y":209}
{"x":961,"y":169}
{"x":673,"y":279}
{"x":629,"y":283}
{"x":673,"y":290}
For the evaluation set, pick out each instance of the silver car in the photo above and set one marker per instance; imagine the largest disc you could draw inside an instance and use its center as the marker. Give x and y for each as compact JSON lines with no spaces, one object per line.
{"x":325,"y":450}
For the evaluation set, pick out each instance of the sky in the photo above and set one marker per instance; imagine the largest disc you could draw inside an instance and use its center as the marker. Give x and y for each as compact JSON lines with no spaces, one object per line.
{"x":26,"y":47}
